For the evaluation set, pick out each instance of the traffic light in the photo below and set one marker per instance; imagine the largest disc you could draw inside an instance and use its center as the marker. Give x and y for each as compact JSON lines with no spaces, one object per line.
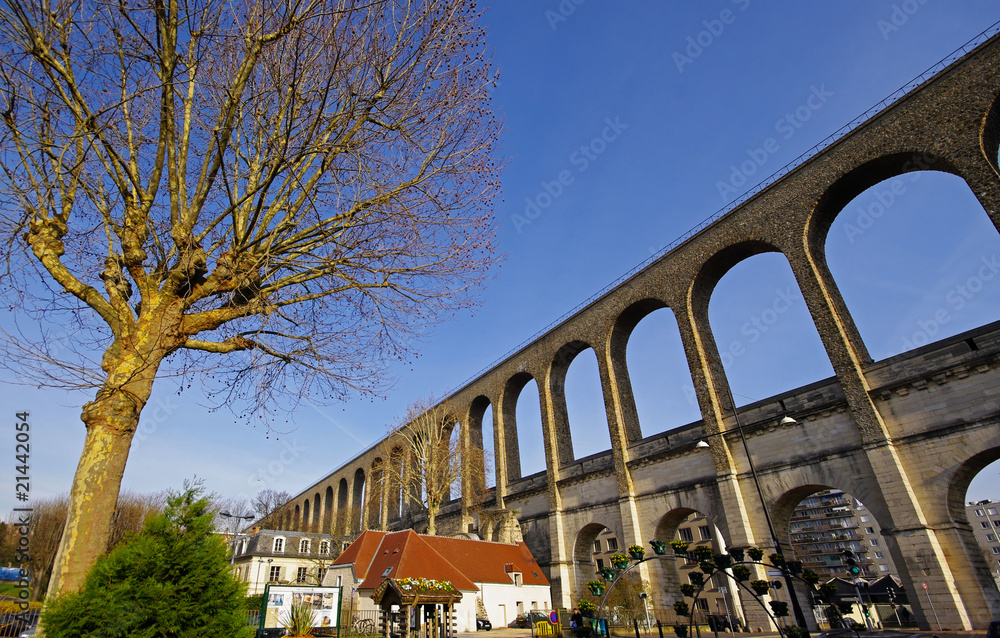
{"x":851,"y":561}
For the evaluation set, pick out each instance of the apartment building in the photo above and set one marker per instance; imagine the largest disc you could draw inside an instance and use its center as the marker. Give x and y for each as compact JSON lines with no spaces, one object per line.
{"x":827,"y":523}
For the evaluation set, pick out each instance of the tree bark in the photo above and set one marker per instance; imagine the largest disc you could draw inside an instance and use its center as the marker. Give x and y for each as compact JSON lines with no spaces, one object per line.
{"x":111,"y":420}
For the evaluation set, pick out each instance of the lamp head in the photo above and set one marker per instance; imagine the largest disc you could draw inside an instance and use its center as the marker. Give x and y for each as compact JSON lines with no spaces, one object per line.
{"x":787,"y":420}
{"x":701,"y":445}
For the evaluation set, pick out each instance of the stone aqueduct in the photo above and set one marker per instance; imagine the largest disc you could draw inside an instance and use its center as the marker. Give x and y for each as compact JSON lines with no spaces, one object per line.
{"x":905,"y":434}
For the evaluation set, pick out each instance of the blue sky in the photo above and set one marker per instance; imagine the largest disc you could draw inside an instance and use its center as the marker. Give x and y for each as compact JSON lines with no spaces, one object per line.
{"x":628,"y":123}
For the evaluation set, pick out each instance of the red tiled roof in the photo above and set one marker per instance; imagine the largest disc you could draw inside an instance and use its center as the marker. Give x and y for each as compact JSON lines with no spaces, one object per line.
{"x":461,"y":561}
{"x":361,"y":552}
{"x":407,"y":555}
{"x":486,"y":562}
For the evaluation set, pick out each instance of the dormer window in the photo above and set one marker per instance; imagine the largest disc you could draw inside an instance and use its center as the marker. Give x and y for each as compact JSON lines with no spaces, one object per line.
{"x":279,"y":545}
{"x":518,"y":581}
{"x":324,"y":547}
{"x":304,"y":546}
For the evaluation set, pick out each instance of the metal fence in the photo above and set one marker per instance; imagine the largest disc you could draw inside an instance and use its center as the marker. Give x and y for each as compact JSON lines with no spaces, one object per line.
{"x":14,"y":624}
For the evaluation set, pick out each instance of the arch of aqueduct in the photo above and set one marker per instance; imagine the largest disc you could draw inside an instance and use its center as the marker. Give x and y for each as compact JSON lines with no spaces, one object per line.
{"x":905,"y":435}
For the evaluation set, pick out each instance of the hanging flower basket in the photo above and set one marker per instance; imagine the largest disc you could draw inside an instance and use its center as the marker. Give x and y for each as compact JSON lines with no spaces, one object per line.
{"x":659,"y":547}
{"x":636,"y":552}
{"x":596,"y":587}
{"x":737,"y":554}
{"x":682,"y":608}
{"x":681,"y":631}
{"x":608,"y":574}
{"x":776,"y":559}
{"x":680,"y":547}
{"x":703,"y":552}
{"x":706,"y":566}
{"x":755,"y":554}
{"x":741,"y":573}
{"x":722,"y":561}
{"x":794,"y":567}
{"x":620,"y":561}
{"x":760,"y":587}
{"x":688,"y":590}
{"x":697,"y":578}
{"x":586,"y":608}
{"x":810,"y":576}
{"x":779,"y":608}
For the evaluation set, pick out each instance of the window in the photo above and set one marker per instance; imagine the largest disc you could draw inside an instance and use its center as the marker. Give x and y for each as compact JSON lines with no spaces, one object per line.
{"x":996,"y":550}
{"x":879,"y":555}
{"x":705,"y":533}
{"x":517,"y":579}
{"x":600,"y":564}
{"x":996,"y":523}
{"x":612,"y":544}
{"x":685,"y":534}
{"x":980,"y":513}
{"x":300,"y":575}
{"x":703,"y":604}
{"x":985,"y":524}
{"x":869,"y":530}
{"x":324,"y":547}
{"x":320,"y":574}
{"x":275,"y":574}
{"x":304,"y":546}
{"x":991,"y":537}
{"x":279,"y":545}
{"x":597,"y":546}
{"x":883,"y":568}
{"x":340,"y":580}
{"x":992,"y":511}
{"x":520,"y":607}
{"x":874,"y":542}
{"x":865,"y":519}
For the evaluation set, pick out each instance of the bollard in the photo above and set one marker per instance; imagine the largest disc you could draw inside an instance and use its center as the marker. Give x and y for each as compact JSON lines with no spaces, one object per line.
{"x":659,"y":627}
{"x":635,"y":622}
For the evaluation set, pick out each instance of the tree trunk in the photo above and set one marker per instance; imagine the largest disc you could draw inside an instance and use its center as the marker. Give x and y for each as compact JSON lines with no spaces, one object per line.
{"x":111,"y":420}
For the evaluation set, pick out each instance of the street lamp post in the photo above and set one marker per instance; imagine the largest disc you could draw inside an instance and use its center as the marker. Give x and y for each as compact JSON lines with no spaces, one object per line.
{"x":799,"y":617}
{"x":232,"y":536}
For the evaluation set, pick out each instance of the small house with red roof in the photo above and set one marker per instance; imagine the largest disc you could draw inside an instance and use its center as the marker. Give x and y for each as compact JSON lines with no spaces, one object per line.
{"x":497,"y":581}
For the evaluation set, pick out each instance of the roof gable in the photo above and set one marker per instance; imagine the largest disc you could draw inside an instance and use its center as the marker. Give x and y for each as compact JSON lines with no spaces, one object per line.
{"x":407,"y":555}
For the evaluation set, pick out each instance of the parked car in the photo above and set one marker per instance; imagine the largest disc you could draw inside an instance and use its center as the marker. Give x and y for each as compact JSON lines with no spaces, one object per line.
{"x":483,"y":625}
{"x":529,"y":619}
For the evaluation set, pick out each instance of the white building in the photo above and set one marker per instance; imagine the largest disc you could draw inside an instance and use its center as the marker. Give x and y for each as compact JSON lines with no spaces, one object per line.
{"x":280,"y":557}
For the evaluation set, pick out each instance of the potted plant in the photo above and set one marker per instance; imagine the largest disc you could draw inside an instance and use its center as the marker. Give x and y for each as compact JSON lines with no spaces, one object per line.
{"x":680,"y":546}
{"x":659,"y":547}
{"x":760,"y":587}
{"x":636,"y":552}
{"x":688,"y":590}
{"x":736,"y":553}
{"x":741,"y":573}
{"x":298,"y":621}
{"x":681,"y":630}
{"x":620,"y":561}
{"x":587,"y":608}
{"x":596,"y":587}
{"x":755,"y":554}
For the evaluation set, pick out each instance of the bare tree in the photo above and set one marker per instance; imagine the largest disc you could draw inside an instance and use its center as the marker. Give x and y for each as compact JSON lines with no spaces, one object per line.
{"x":430,"y":462}
{"x":273,"y":195}
{"x":48,"y":520}
{"x":268,"y":501}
